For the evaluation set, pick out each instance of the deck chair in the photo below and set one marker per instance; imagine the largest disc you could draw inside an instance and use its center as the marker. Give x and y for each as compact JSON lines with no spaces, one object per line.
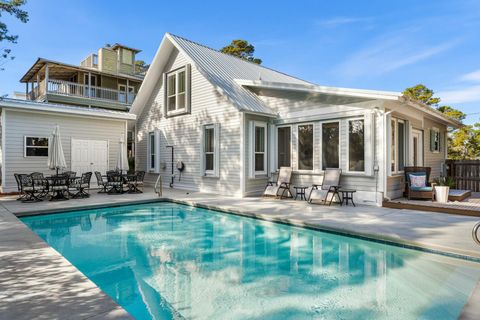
{"x":325,"y":193}
{"x":280,"y":188}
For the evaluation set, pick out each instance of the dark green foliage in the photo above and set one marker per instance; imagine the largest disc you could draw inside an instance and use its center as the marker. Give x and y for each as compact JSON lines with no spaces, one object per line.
{"x":241,"y":49}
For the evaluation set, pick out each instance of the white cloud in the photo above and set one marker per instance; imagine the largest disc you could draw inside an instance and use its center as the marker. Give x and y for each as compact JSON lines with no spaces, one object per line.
{"x":387,"y":54}
{"x":471,"y":76}
{"x":461,"y":95}
{"x":339,"y":21}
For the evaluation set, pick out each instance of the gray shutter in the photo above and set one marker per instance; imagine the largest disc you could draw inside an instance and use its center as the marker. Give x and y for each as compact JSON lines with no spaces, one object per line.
{"x":432,"y":140}
{"x":165,"y":94}
{"x":188,"y":87}
{"x":202,"y":151}
{"x":217,"y":149}
{"x":440,"y":141}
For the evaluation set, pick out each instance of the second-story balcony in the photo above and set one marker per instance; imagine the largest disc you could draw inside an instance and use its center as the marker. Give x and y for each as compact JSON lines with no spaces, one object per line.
{"x":72,"y":89}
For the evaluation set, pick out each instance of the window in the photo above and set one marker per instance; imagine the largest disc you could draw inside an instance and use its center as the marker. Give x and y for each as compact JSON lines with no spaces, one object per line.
{"x":305,"y":147}
{"x":356,"y":145}
{"x":127,"y":56}
{"x":398,"y":146}
{"x":260,"y":145}
{"x":176,"y":91}
{"x":151,"y":150}
{"x":284,"y":138}
{"x":435,"y":140}
{"x":330,"y":145}
{"x":36,"y":147}
{"x":94,"y":59}
{"x":209,"y":149}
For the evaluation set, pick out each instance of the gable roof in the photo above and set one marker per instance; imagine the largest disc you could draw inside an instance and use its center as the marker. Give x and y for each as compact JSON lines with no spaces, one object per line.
{"x":220,"y":69}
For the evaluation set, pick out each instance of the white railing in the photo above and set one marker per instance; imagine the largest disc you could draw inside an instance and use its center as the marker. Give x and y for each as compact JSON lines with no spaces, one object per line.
{"x":80,"y":90}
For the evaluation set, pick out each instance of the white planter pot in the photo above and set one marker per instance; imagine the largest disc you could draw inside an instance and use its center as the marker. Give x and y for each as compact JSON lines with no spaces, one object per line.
{"x":441,"y":194}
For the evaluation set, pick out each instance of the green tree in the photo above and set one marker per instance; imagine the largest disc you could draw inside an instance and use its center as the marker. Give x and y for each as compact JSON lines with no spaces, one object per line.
{"x":241,"y":49}
{"x":11,"y":7}
{"x":141,"y":66}
{"x":421,"y":93}
{"x":452,"y":113}
{"x":464,"y":143}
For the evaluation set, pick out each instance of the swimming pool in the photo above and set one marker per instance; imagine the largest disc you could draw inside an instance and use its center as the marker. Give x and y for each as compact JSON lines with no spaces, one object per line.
{"x":170,"y":261}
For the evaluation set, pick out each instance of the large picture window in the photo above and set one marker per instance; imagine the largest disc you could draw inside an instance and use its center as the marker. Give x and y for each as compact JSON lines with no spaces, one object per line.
{"x":330,"y":145}
{"x":151,"y":151}
{"x":260,"y":145}
{"x":305,"y":147}
{"x":36,"y":147}
{"x":176,"y":91}
{"x":356,"y":145}
{"x":284,"y":138}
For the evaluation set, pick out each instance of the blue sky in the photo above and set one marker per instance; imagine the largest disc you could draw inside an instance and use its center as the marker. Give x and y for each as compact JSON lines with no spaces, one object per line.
{"x":382,"y":45}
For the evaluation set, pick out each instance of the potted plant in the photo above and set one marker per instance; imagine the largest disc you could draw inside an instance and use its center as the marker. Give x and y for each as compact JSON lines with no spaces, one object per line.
{"x":442,"y":188}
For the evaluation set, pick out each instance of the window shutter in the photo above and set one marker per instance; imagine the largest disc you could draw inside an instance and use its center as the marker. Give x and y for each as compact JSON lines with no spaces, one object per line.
{"x":432,"y":140}
{"x":157,"y":151}
{"x":217,"y":150}
{"x":188,"y":87}
{"x":440,"y":141}
{"x":165,"y":94}
{"x":251,"y":149}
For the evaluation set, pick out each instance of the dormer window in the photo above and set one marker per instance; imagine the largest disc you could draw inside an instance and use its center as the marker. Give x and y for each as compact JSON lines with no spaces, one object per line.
{"x":177,"y":84}
{"x":127,"y":56}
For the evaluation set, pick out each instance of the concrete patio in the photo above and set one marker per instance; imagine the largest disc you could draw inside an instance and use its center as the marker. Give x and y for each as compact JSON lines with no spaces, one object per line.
{"x":37,"y":282}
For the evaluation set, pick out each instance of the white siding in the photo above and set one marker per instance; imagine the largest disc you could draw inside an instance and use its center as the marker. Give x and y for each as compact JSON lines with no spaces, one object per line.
{"x":184,"y":133}
{"x":20,"y":124}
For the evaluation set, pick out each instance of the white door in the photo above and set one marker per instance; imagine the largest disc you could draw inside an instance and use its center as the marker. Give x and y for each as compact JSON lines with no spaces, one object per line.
{"x":89,"y":156}
{"x":416,"y":155}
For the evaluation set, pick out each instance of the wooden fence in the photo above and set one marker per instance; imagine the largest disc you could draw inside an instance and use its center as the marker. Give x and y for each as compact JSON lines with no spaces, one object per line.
{"x":466,"y":173}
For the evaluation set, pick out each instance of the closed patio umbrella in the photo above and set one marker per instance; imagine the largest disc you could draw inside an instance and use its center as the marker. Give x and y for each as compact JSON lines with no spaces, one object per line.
{"x":56,"y":158}
{"x":122,"y":158}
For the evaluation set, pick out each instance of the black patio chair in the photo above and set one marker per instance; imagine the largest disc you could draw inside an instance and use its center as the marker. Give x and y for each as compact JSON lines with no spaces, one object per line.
{"x":115,"y":182}
{"x":28,"y":188}
{"x":19,"y":186}
{"x":40,"y":184}
{"x":101,"y":182}
{"x":135,"y":182}
{"x":80,"y":184}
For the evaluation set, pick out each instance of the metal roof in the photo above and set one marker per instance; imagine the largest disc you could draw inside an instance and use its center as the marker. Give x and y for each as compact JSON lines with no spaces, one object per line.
{"x":222,"y":70}
{"x":27,"y":105}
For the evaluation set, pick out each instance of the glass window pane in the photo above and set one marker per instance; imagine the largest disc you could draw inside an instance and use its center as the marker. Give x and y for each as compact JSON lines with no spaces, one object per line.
{"x":152,"y":144}
{"x":259,"y":162}
{"x":152,"y":161}
{"x":330,"y":145}
{"x":37,"y":152}
{"x":259,"y":139}
{"x":401,"y":146}
{"x":283,"y":148}
{"x":37,"y":142}
{"x":305,"y":147}
{"x":181,"y":81}
{"x":209,"y":161}
{"x":356,"y":152}
{"x":181,"y":101}
{"x":171,"y":84}
{"x":171,"y":104}
{"x":209,"y":140}
{"x":392,"y":154}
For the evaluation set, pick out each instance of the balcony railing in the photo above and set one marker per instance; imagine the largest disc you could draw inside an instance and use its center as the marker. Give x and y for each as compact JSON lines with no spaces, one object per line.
{"x":73,"y":89}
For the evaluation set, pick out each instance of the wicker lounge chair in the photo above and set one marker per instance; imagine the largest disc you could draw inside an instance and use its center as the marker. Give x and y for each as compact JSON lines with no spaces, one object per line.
{"x":325,"y":193}
{"x":412,"y":191}
{"x":280,"y":188}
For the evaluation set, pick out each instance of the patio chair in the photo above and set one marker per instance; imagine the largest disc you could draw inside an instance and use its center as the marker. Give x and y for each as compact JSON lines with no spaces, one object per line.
{"x":135,"y":182}
{"x":40,"y":184}
{"x":70,"y":174}
{"x":101,"y":182}
{"x":80,"y":184}
{"x":19,"y":186}
{"x":328,"y":189}
{"x":59,"y":187}
{"x":417,"y":185}
{"x":115,"y":182}
{"x":28,"y":188}
{"x":281,"y":187}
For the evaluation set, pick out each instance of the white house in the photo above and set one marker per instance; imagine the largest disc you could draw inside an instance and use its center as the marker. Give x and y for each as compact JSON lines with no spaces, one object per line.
{"x":231,"y":123}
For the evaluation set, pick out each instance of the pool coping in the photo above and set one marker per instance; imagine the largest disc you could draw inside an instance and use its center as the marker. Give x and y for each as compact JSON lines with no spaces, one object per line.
{"x":471,"y":309}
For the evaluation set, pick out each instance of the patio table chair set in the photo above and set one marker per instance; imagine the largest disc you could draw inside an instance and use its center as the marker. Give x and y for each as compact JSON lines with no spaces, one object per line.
{"x":323,"y":193}
{"x":36,"y":187}
{"x":116,"y":182}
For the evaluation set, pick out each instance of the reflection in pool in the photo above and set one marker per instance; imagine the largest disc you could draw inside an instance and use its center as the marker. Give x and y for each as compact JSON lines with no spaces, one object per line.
{"x":164,"y":261}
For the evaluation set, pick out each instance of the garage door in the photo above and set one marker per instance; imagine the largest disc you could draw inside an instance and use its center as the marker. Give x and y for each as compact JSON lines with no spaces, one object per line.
{"x":89,"y":156}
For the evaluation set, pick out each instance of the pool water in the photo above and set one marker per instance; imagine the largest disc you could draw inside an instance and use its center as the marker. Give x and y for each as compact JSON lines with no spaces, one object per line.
{"x":170,"y":261}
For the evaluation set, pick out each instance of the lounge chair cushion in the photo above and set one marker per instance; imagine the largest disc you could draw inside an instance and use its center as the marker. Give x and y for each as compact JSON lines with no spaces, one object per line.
{"x":418,"y":180}
{"x":272,"y":191}
{"x":421,"y":189}
{"x":318,"y":194}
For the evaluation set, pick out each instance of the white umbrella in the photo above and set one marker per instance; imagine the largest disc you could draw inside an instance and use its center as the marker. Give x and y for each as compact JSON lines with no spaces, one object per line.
{"x":56,"y":158}
{"x":122,"y":158}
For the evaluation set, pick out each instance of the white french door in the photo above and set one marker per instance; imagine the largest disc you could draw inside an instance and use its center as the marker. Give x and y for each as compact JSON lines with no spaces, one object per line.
{"x":89,"y":156}
{"x":416,"y":143}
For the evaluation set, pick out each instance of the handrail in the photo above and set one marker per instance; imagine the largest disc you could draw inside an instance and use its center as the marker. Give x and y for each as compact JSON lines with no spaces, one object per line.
{"x":158,"y":189}
{"x":81,"y":90}
{"x":475,"y":234}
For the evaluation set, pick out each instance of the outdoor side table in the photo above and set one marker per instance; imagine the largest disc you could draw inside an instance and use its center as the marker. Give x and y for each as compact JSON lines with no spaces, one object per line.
{"x":347,"y":195}
{"x":300,"y":191}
